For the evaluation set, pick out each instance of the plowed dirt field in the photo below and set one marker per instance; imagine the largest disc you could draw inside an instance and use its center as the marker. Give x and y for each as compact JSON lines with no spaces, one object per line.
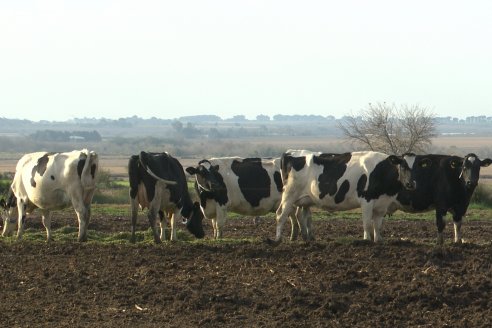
{"x":336,"y":281}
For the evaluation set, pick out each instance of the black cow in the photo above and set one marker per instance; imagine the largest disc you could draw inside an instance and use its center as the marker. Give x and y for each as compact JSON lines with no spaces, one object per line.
{"x":158,"y":182}
{"x":445,"y":183}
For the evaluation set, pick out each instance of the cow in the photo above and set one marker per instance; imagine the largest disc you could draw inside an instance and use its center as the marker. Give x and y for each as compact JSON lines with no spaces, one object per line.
{"x":444,"y":183}
{"x":303,"y":214}
{"x":248,"y":186}
{"x":158,"y":182}
{"x":51,"y":181}
{"x":335,"y":182}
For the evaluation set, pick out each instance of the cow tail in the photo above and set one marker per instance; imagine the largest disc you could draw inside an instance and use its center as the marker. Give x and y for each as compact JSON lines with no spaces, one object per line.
{"x":285,"y":167}
{"x":91,"y":165}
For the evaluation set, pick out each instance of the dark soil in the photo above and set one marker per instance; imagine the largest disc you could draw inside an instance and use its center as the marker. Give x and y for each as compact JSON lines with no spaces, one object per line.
{"x":336,"y":281}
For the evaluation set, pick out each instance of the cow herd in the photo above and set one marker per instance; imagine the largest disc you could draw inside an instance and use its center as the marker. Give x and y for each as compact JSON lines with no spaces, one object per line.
{"x":290,"y":185}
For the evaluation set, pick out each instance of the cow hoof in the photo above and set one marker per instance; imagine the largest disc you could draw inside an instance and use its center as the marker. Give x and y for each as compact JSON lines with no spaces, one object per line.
{"x":272,"y":242}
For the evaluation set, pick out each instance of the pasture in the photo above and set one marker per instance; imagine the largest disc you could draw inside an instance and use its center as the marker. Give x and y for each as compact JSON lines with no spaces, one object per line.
{"x":337,"y":280}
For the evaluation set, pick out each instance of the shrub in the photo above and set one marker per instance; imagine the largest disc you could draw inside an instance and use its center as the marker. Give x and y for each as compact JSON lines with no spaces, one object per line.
{"x":482,"y":195}
{"x":5,"y":181}
{"x":104,"y":179}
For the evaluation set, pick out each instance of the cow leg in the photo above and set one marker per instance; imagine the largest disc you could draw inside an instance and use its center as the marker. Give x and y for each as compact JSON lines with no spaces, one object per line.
{"x":162,"y":224}
{"x":283,"y":212}
{"x":21,"y":209}
{"x":378,"y":213}
{"x":174,"y":218}
{"x":220,"y":221}
{"x":46,"y":218}
{"x":83,"y":215}
{"x":440,"y":227}
{"x":377,"y":220}
{"x":457,"y":220}
{"x":151,"y":215}
{"x":367,"y":222}
{"x":83,"y":211}
{"x":295,"y":224}
{"x":214,"y":226}
{"x":134,"y":210}
{"x":308,"y":219}
{"x":303,"y":215}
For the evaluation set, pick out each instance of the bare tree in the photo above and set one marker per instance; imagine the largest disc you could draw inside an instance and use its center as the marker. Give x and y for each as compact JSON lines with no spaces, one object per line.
{"x":391,"y":130}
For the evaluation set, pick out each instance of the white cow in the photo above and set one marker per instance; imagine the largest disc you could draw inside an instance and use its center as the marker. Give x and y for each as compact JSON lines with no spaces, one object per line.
{"x":334,"y":182}
{"x":52,"y":181}
{"x":248,"y":186}
{"x":303,"y":214}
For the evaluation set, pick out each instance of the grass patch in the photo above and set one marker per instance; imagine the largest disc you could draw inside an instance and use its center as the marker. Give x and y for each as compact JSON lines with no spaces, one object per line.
{"x":111,"y":209}
{"x":111,"y":196}
{"x":121,"y":184}
{"x":230,"y":241}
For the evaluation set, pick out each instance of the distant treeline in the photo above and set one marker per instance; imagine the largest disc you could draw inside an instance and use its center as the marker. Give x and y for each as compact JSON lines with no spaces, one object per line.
{"x":135,"y":120}
{"x":51,"y":135}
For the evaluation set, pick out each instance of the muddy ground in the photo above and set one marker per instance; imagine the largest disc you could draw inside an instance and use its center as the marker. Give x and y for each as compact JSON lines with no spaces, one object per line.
{"x":336,"y":281}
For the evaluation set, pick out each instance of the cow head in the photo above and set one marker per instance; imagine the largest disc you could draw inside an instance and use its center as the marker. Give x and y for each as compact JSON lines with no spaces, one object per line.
{"x":405,"y":169}
{"x":470,"y":169}
{"x":9,"y":215}
{"x":416,"y":168}
{"x":207,"y":176}
{"x":194,"y":222}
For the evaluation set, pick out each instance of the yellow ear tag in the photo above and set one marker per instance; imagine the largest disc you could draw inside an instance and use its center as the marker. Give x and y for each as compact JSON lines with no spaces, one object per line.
{"x":425,"y":163}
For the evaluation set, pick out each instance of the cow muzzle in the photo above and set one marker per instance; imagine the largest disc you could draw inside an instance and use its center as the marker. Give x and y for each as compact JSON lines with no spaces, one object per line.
{"x":8,"y":228}
{"x":412,"y":185}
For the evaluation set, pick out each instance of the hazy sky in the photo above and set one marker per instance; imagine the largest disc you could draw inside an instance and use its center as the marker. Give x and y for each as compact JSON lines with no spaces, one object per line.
{"x":115,"y":58}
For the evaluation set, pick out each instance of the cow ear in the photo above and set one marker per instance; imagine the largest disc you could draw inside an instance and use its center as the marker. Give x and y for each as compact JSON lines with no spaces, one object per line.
{"x":216,"y":167}
{"x":191,"y":170}
{"x":486,"y":162}
{"x":426,"y":162}
{"x":395,"y":160}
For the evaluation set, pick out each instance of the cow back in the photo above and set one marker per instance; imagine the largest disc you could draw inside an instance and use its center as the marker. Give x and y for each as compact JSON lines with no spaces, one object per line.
{"x":51,"y":180}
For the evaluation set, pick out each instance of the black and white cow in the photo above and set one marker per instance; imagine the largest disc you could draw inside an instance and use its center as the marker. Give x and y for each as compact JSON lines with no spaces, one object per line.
{"x":158,"y":182}
{"x":303,"y":214}
{"x":336,"y":182}
{"x":51,"y":181}
{"x":248,"y":186}
{"x":445,"y":183}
